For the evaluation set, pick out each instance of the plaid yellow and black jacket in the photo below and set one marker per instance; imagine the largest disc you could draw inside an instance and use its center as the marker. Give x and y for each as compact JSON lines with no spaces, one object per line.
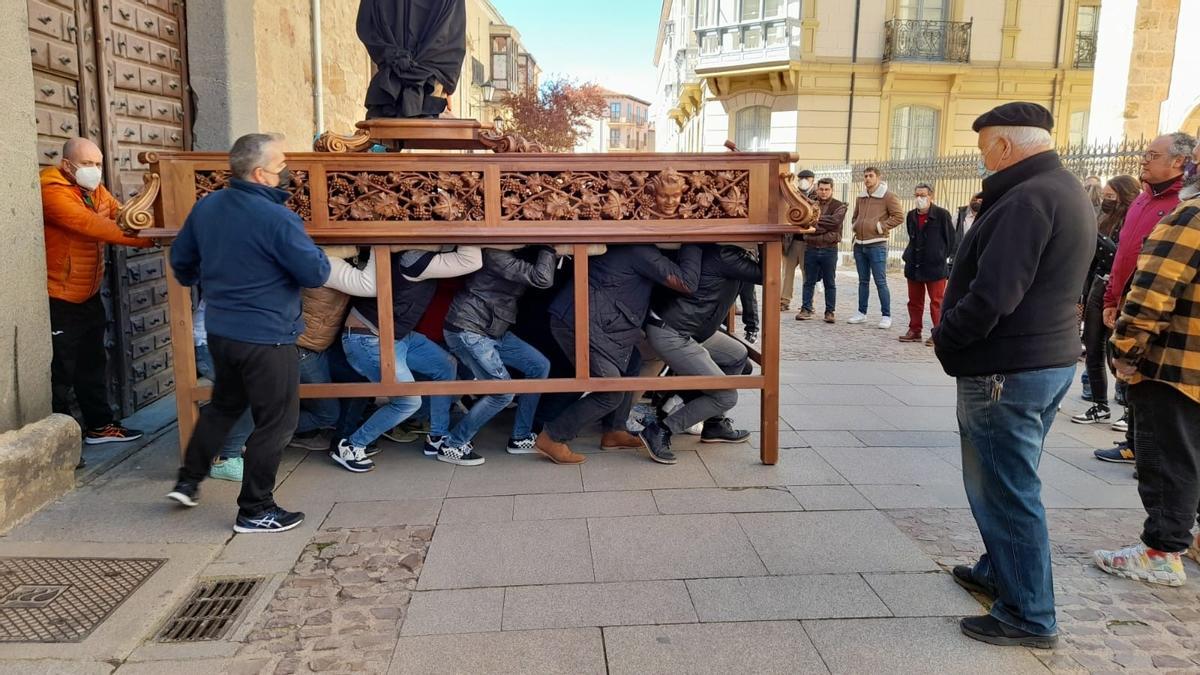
{"x":1159,"y":328}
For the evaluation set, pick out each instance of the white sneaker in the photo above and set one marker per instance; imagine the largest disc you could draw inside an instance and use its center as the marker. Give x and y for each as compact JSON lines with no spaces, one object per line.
{"x":858,"y":317}
{"x":885,"y":323}
{"x":695,"y":430}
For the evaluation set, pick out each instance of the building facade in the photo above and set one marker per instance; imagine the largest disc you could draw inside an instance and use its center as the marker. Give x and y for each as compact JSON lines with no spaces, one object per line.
{"x":625,"y":127}
{"x":843,"y":80}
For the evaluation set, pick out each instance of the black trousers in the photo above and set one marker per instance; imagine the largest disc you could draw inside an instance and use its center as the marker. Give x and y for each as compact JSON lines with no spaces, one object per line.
{"x":1095,"y":339}
{"x":267,"y":378}
{"x":1166,"y":441}
{"x":79,"y":362}
{"x":611,"y":406}
{"x":749,"y":307}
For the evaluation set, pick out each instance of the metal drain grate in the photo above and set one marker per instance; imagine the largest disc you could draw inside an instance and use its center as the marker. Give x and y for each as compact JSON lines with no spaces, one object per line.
{"x":65,"y":599}
{"x":213,"y":608}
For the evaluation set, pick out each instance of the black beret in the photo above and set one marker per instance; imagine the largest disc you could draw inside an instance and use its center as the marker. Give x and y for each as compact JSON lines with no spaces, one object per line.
{"x":1015,"y":114}
{"x":806,"y":174}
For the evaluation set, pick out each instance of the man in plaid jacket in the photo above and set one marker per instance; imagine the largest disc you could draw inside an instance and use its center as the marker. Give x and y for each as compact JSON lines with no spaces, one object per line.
{"x":1157,"y":350}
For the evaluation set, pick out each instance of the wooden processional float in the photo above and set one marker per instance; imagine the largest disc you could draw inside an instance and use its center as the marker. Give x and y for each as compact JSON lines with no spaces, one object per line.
{"x":516,"y":194}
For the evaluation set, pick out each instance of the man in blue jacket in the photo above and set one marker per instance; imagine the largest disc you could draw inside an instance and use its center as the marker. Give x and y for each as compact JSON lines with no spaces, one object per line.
{"x":251,"y":256}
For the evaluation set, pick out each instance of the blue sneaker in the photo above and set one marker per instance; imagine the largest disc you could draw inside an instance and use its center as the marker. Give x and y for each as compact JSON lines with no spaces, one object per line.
{"x":273,"y":519}
{"x":229,"y":469}
{"x":657,"y":439}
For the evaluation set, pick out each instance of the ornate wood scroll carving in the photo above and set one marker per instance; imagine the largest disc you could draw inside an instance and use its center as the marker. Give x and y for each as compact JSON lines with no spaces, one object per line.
{"x":300,"y":202}
{"x":798,"y":210}
{"x":498,"y":141}
{"x":406,"y":195}
{"x":359,"y":141}
{"x":624,"y":195}
{"x":138,"y":213}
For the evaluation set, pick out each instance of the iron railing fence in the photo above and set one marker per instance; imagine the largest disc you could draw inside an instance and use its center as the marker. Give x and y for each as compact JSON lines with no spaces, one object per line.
{"x":955,"y":178}
{"x":919,"y":40}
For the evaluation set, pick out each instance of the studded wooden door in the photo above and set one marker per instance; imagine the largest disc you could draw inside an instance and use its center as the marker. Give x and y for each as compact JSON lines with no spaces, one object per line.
{"x":116,"y":72}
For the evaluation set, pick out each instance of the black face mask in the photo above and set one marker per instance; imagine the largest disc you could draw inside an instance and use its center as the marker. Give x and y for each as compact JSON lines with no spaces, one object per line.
{"x":975,"y":206}
{"x":285,"y":178}
{"x":1108,"y":205}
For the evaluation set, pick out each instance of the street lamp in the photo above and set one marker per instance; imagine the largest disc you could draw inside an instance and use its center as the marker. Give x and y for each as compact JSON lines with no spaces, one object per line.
{"x":488,"y":91}
{"x":498,"y":122}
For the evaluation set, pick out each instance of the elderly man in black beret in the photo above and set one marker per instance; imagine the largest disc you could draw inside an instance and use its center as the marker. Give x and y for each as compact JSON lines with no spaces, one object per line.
{"x":1010,"y":336}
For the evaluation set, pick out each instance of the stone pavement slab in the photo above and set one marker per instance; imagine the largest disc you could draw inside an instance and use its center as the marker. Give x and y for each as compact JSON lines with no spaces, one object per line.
{"x":929,"y":373}
{"x":829,"y":497}
{"x":535,"y":652}
{"x":909,"y":439}
{"x":384,"y":513}
{"x":838,"y":372}
{"x":890,"y":466}
{"x":921,"y":645}
{"x":468,"y":610}
{"x":838,"y":394}
{"x":923,"y":395}
{"x":671,"y":547}
{"x":734,"y":466}
{"x":505,"y":474}
{"x":814,"y":596}
{"x":830,"y":439}
{"x":634,"y":470}
{"x":401,"y":472}
{"x":931,"y":594}
{"x":918,"y":418}
{"x":725,"y":500}
{"x":832,"y":417}
{"x":476,"y":510}
{"x":55,"y":667}
{"x":934,"y":495}
{"x":603,"y":604}
{"x":584,"y":505}
{"x":774,"y":647}
{"x":472,"y":555}
{"x":831,"y":542}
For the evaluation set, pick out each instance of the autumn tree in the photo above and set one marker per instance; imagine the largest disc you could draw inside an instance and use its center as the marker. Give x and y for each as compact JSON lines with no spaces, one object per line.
{"x":555,"y":115}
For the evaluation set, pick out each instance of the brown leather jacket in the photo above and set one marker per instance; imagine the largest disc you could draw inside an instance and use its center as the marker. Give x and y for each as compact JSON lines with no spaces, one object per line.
{"x":324,"y":311}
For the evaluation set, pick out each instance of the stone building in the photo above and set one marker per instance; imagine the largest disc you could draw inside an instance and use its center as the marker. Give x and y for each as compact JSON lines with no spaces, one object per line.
{"x":157,"y":75}
{"x":625,"y":128}
{"x":843,"y":80}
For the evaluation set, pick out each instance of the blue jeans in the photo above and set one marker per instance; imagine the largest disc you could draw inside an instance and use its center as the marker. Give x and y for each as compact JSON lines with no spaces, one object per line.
{"x":414,"y":353}
{"x":1003,"y":421}
{"x":350,"y":410}
{"x":244,"y":425}
{"x":871,"y":261}
{"x":487,"y":358}
{"x":820,"y":264}
{"x":316,"y":413}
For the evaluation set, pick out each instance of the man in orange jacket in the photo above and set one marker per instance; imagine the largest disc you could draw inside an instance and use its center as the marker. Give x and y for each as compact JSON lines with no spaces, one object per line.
{"x":80,"y":218}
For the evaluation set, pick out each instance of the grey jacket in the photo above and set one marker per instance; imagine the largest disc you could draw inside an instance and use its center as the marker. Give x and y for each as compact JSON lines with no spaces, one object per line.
{"x":487,"y":304}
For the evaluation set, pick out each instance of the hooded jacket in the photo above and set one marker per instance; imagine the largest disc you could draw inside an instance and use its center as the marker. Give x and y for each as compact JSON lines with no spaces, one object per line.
{"x":876,"y":214}
{"x":77,"y":225}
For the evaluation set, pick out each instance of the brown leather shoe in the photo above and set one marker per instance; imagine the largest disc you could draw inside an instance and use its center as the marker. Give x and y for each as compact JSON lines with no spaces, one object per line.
{"x":804,"y":315}
{"x":557,"y":452}
{"x":619,"y":440}
{"x":829,"y":318}
{"x":910,"y":336}
{"x":929,"y":342}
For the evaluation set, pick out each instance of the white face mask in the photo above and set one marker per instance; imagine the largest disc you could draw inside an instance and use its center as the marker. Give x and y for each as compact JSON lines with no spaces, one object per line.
{"x":805,"y":184}
{"x":88,"y":177}
{"x":922,"y":203}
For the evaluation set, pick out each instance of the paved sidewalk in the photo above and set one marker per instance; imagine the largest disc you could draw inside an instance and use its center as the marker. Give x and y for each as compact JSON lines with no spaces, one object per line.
{"x":831,"y":561}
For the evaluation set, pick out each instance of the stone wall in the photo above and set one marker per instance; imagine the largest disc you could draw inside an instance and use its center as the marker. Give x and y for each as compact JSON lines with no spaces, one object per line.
{"x":25,"y":321}
{"x":221,"y":71}
{"x":282,"y":47}
{"x":1150,"y":66}
{"x":346,"y":67}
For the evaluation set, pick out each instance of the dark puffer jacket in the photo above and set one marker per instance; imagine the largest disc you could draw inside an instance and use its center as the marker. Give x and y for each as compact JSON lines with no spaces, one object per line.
{"x":619,"y":287}
{"x":723,"y":269}
{"x":487,"y":304}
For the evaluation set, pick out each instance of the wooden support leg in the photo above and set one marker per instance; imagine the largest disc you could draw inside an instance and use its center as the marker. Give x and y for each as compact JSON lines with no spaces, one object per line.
{"x":583,"y":368}
{"x":772,"y":266}
{"x":179,"y":305}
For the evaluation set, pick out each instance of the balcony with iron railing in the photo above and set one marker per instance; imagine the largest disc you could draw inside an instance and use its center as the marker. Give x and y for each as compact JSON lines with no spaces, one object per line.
{"x":918,"y":40}
{"x":748,"y":43}
{"x":1085,"y":50}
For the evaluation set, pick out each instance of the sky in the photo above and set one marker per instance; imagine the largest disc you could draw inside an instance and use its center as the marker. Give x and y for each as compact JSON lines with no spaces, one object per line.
{"x":610,"y":43}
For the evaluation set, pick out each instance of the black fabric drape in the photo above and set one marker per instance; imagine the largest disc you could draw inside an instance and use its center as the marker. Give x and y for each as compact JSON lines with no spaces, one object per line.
{"x":414,"y":43}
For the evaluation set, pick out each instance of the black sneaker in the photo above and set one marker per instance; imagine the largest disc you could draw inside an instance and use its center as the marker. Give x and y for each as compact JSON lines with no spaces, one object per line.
{"x":111,"y":433}
{"x":273,"y":519}
{"x":433,"y":444}
{"x":186,"y":493}
{"x":351,"y":457}
{"x":657,"y":440}
{"x":752,"y":336}
{"x":994,"y":632}
{"x":523,"y":446}
{"x":964,"y":576}
{"x":720,"y":430}
{"x":464,"y":456}
{"x":1095,"y":414}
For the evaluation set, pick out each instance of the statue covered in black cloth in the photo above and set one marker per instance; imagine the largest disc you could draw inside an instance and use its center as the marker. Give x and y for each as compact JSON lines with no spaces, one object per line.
{"x":417,"y":45}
